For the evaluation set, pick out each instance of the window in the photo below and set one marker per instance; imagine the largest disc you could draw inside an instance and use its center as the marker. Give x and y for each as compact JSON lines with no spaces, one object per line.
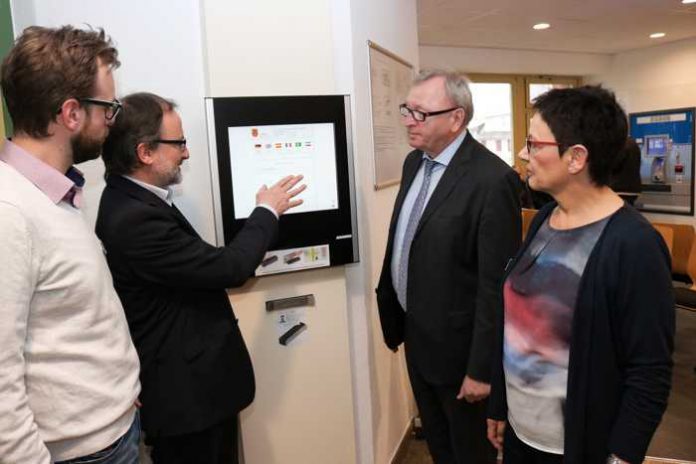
{"x":492,"y":122}
{"x":503,"y":108}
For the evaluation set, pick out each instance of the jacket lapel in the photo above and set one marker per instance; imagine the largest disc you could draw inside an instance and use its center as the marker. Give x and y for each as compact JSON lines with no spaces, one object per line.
{"x":450,"y":178}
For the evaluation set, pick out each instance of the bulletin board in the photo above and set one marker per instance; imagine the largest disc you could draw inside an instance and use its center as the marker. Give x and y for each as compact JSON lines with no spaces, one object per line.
{"x":666,"y":141}
{"x":390,"y":81}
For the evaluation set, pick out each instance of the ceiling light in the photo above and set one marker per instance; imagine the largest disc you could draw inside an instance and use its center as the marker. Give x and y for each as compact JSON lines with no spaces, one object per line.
{"x":688,"y":1}
{"x":542,"y":26}
{"x":657,"y":35}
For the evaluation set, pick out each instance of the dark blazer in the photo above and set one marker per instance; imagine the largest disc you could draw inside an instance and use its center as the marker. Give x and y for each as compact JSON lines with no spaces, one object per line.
{"x":195,"y":368}
{"x":620,"y":366}
{"x":469,"y":230}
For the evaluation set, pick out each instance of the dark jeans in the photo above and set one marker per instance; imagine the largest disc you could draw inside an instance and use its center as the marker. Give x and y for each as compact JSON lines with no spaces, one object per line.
{"x":122,"y":451}
{"x":215,"y":445}
{"x":515,"y":451}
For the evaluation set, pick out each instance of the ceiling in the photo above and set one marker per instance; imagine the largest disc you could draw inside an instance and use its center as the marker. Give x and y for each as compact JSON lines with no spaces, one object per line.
{"x":591,"y":26}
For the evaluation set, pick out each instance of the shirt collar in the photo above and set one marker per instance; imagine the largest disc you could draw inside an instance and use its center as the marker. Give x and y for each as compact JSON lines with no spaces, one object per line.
{"x":447,"y":154}
{"x":164,"y":194}
{"x":55,"y":185}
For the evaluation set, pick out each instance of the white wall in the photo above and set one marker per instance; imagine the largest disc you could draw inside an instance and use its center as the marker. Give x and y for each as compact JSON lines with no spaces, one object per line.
{"x":160,"y":50}
{"x":324,"y":44}
{"x":655,"y":78}
{"x":391,"y":24}
{"x":272,"y":47}
{"x":511,"y":61}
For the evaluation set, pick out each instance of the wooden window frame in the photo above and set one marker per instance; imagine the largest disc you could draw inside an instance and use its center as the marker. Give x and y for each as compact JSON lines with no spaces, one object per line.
{"x":522,"y":110}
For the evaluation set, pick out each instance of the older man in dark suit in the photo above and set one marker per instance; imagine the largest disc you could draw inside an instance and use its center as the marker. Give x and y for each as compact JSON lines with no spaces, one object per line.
{"x":196,"y":372}
{"x":456,"y":223}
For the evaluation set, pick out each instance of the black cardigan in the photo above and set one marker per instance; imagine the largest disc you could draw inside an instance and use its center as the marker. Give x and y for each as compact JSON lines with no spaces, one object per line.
{"x":620,"y":366}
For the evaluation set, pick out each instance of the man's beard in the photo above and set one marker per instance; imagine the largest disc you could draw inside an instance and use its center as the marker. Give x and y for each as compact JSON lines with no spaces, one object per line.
{"x":175,"y":178}
{"x":168,"y":178}
{"x":85,"y":148}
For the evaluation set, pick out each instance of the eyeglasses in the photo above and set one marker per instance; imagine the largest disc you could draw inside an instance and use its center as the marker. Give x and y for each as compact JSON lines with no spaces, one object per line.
{"x":531,"y":143}
{"x":111,"y":108}
{"x":181,"y":143}
{"x":421,"y":115}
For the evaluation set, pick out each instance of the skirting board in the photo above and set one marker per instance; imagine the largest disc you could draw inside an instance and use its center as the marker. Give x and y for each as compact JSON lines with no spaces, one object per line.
{"x":398,"y":455}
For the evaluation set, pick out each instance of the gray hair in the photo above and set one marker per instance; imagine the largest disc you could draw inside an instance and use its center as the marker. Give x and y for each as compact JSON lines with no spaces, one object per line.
{"x":456,"y":89}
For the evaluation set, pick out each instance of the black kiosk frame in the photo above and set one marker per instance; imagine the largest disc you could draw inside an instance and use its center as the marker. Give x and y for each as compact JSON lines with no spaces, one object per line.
{"x":325,"y":237}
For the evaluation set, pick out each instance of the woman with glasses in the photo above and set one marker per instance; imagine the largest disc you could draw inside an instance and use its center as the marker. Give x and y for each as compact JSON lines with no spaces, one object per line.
{"x":583,"y":365}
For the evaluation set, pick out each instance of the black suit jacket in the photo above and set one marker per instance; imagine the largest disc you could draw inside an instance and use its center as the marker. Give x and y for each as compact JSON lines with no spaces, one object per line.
{"x":469,"y":230}
{"x":195,"y":368}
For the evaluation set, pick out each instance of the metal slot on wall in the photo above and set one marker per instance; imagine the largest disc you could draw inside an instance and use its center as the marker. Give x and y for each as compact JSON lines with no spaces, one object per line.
{"x":291,"y":302}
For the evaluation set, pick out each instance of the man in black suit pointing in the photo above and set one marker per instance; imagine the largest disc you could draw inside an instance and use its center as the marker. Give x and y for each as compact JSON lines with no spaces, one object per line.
{"x":196,"y":373}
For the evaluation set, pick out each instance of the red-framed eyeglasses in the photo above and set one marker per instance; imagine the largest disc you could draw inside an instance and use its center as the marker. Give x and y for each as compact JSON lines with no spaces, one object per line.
{"x":531,"y":143}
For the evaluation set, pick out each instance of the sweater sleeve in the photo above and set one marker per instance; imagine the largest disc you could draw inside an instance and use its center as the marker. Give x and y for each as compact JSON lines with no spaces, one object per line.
{"x":644,"y":324}
{"x":20,"y":440}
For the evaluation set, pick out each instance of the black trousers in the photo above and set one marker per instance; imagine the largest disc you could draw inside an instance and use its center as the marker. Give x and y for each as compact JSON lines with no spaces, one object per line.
{"x":455,"y":430}
{"x":215,"y":445}
{"x":515,"y":451}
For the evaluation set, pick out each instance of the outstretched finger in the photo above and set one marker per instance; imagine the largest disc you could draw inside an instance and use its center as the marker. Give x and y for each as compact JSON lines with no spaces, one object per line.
{"x":292,"y":182}
{"x":297,"y":191}
{"x":281,"y":183}
{"x":293,"y":203}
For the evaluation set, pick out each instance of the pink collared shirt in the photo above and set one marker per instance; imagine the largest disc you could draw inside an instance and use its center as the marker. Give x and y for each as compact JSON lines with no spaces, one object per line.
{"x":55,"y":185}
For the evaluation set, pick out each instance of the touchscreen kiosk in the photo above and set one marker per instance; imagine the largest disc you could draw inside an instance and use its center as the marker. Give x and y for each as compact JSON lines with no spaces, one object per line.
{"x":255,"y":141}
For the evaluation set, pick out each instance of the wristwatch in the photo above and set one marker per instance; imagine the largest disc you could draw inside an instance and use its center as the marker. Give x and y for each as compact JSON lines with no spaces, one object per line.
{"x":612,"y":459}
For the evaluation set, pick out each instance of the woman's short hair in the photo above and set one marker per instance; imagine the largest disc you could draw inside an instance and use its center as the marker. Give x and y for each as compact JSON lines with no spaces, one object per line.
{"x":589,"y":116}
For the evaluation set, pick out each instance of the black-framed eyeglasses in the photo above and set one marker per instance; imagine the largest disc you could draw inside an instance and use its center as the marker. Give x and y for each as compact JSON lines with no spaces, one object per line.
{"x":420,"y":116}
{"x":111,"y":108}
{"x":180,"y":143}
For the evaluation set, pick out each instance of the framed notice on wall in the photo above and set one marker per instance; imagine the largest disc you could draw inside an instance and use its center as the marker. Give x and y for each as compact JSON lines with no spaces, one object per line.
{"x":390,"y":80}
{"x":666,"y":141}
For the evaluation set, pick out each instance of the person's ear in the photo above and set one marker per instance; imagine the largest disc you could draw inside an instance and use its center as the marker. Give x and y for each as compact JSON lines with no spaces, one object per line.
{"x":459,"y":114}
{"x":578,"y":159}
{"x":145,"y":154}
{"x":71,"y":115}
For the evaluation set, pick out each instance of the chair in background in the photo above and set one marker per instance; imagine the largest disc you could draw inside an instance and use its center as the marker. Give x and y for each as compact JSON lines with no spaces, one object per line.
{"x":683,"y":262}
{"x":527,"y":216}
{"x":667,"y":235}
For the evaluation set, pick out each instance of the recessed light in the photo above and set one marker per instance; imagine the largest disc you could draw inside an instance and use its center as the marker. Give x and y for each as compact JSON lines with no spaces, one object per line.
{"x":542,"y":26}
{"x":657,"y":35}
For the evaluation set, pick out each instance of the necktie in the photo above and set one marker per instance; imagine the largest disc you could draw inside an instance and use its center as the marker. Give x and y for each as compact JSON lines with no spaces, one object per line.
{"x":411,"y":227}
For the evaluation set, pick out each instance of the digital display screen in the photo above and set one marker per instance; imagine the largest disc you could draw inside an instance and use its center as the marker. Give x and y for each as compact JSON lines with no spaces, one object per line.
{"x":264,"y":154}
{"x":656,"y":146}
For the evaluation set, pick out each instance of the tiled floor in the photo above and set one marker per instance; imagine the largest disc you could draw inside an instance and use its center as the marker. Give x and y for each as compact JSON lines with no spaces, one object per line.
{"x":675,"y":438}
